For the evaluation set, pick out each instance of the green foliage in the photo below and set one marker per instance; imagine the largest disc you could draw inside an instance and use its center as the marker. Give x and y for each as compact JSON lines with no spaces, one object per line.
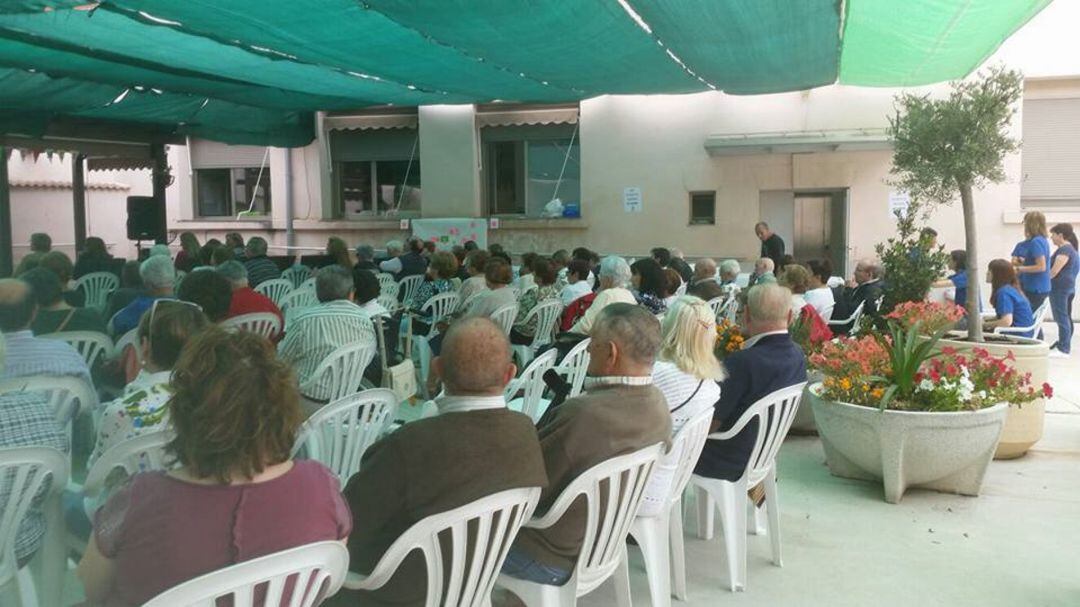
{"x":907,"y":350}
{"x":941,"y":145}
{"x":911,"y":264}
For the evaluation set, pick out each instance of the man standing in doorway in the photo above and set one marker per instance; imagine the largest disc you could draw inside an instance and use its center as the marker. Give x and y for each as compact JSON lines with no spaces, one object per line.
{"x":772,"y":246}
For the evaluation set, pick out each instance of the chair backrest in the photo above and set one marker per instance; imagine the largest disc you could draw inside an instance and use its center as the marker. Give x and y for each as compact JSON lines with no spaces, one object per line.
{"x":774,"y":412}
{"x":277,"y":289}
{"x":138,"y":454}
{"x":407,"y":287}
{"x":1038,"y":317}
{"x":717,"y":305}
{"x":24,"y":471}
{"x":309,"y":568}
{"x":464,"y":304}
{"x":389,"y":301}
{"x":853,"y":320}
{"x":574,"y":365}
{"x":440,"y":306}
{"x":504,"y":317}
{"x":547,"y":314}
{"x":477,"y":538}
{"x":308,"y":284}
{"x":386,"y":282}
{"x":90,"y":344}
{"x":97,"y":286}
{"x":531,"y":384}
{"x":344,"y":368}
{"x":67,"y":395}
{"x":339,"y":433}
{"x":613,"y":490}
{"x":131,"y":338}
{"x":685,"y":450}
{"x":296,"y":275}
{"x":299,"y":298}
{"x":266,"y":324}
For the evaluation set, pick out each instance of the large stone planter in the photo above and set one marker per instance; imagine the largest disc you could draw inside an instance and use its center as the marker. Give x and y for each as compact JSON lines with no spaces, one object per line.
{"x":946,"y":452}
{"x":1024,"y":424}
{"x":804,"y":418}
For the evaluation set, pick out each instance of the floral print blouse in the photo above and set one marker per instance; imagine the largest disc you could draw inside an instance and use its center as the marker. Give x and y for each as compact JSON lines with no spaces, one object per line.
{"x":528,"y":301}
{"x":429,"y":289}
{"x":651,"y":302}
{"x":141,"y":409}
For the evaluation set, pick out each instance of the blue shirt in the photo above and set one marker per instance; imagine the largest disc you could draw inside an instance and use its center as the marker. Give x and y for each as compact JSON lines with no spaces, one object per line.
{"x":1030,"y":250}
{"x":128,"y":318}
{"x":1011,"y":301}
{"x":959,"y":281}
{"x":1065,"y":281}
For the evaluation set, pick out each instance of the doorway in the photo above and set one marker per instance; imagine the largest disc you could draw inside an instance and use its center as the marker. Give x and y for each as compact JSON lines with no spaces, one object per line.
{"x":813,"y":223}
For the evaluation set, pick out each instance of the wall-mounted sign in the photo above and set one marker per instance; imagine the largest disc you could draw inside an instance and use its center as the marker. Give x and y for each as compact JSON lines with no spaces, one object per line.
{"x":898,"y":203}
{"x":632,"y":200}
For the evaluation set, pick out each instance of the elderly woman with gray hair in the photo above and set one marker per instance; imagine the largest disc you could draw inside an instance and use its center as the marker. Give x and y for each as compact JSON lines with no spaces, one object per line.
{"x":614,"y":277}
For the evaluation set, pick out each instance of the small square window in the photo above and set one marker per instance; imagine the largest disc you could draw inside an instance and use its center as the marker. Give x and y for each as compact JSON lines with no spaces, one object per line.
{"x":702,"y":208}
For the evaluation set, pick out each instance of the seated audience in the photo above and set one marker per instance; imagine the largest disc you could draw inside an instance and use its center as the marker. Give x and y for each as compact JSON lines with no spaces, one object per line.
{"x":411,"y":263}
{"x":365,"y":258}
{"x":576,"y":282}
{"x":650,"y":284}
{"x":679,"y":265}
{"x":55,"y":315}
{"x":260,"y":267}
{"x":235,"y":243}
{"x":160,"y":249}
{"x":704,"y":283}
{"x":543,"y":275}
{"x":864,"y":289}
{"x":764,"y":269}
{"x":462,"y":273}
{"x":158,"y":275}
{"x":1011,"y":307}
{"x":474,"y":447}
{"x":131,"y":287}
{"x":244,"y":299}
{"x":206,"y":253}
{"x":61,"y":265}
{"x":729,"y":272}
{"x":619,"y":413}
{"x":337,"y":250}
{"x":614,"y":277}
{"x":497,"y":292}
{"x":235,"y":413}
{"x":818,"y":293}
{"x":367,"y":289}
{"x":28,"y":355}
{"x":94,"y":257}
{"x":210,"y":291}
{"x":525,"y":279}
{"x":189,"y":255}
{"x":442,"y":269}
{"x":674,"y":284}
{"x":958,"y":280}
{"x":27,"y":420}
{"x":686,"y":373}
{"x":40,"y":244}
{"x":560,"y":260}
{"x":795,"y":278}
{"x":475,"y":264}
{"x":317,"y":331}
{"x":222,"y":254}
{"x":769,"y":361}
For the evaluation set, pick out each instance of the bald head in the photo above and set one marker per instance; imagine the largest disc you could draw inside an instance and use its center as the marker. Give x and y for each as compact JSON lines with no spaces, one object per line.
{"x":768,"y":308}
{"x":705,"y":269}
{"x":16,"y":305}
{"x":475,"y":359}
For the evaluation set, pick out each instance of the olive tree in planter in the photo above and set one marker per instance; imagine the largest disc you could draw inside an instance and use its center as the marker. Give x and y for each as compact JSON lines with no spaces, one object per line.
{"x":947,"y":148}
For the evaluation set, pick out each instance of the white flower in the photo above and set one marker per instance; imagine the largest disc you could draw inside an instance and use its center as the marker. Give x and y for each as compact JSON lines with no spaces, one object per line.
{"x":926,"y":385}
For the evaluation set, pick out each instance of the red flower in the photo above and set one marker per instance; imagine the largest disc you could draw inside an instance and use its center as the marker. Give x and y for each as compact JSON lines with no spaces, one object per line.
{"x":948,"y":351}
{"x":1047,"y":390}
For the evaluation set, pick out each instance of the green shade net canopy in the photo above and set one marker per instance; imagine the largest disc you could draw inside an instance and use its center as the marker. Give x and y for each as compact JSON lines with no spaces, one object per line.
{"x":254,"y":72}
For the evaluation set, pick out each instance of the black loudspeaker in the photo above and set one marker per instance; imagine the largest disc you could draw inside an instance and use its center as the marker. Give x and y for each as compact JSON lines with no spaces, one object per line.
{"x":145,"y":218}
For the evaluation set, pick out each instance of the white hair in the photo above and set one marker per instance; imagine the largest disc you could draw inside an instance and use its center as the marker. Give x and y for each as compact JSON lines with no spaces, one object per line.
{"x":730,"y":267}
{"x":394,"y":245}
{"x":617,"y":269}
{"x":765,"y":265}
{"x":157,"y":272}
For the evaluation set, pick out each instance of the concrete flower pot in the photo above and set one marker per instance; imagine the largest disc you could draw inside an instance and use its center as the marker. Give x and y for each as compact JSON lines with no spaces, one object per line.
{"x":946,"y":452}
{"x":804,"y":424}
{"x":1024,"y":424}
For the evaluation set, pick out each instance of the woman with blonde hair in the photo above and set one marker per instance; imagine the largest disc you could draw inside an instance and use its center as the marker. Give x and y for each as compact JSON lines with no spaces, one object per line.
{"x":688,"y":374}
{"x":1032,"y":259}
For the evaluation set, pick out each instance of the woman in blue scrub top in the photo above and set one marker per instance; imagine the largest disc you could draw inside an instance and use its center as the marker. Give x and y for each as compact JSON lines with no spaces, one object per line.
{"x":1063,"y":271}
{"x":1032,"y":260}
{"x":1013,"y":309}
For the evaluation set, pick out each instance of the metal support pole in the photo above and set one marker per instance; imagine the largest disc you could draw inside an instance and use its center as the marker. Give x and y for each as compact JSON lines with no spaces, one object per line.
{"x":161,"y":181}
{"x":7,"y":253}
{"x":78,"y":190}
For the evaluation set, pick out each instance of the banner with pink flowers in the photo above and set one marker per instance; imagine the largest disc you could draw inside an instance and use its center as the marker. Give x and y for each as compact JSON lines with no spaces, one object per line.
{"x":446,"y":233}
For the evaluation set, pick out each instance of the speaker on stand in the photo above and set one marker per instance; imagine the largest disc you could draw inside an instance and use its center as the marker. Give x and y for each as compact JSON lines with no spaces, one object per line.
{"x":145,"y":220}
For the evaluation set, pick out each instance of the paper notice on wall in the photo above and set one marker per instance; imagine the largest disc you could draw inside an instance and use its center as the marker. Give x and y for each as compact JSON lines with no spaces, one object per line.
{"x":899,"y":201}
{"x":446,"y":233}
{"x":632,"y":200}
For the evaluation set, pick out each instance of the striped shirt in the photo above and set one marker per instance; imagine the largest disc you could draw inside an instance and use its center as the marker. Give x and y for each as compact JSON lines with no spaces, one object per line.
{"x":26,"y":421}
{"x":316,"y":332}
{"x":28,"y":355}
{"x":261,"y":269}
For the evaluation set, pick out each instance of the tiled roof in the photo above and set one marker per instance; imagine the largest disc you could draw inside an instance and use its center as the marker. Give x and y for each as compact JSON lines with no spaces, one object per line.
{"x":44,"y":184}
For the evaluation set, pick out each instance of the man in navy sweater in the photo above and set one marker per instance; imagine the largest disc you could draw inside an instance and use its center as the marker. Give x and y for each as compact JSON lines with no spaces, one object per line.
{"x":769,"y":361}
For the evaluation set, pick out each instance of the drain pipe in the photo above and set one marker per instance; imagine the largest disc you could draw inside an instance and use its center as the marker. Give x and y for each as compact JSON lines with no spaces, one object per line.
{"x":290,"y":237}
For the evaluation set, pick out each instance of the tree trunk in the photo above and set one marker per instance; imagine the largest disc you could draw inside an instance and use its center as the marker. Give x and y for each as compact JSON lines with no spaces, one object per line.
{"x":974,"y":280}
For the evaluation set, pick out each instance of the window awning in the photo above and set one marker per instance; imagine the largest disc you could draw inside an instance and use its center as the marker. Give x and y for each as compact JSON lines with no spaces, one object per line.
{"x":527,"y":117}
{"x":797,"y":143}
{"x":371,"y":122}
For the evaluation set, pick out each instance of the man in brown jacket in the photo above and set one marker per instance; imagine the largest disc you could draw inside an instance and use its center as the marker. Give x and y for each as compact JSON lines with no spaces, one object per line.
{"x":473,"y":448}
{"x":620,"y":412}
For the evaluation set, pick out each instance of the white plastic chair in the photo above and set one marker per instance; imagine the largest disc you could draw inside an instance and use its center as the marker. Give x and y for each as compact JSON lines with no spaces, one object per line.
{"x":612,"y":491}
{"x":439,"y":307}
{"x":277,"y":289}
{"x":389,"y":301}
{"x":90,"y":344}
{"x":717,"y":305}
{"x":24,"y":471}
{"x":308,"y":284}
{"x":852,"y":320}
{"x":299,"y":298}
{"x":546,"y":314}
{"x":97,"y":286}
{"x":266,"y":324}
{"x":464,"y":304}
{"x":310,"y":567}
{"x":504,"y":317}
{"x":1039,"y":317}
{"x":179,"y":278}
{"x":408,"y":286}
{"x":661,"y":537}
{"x":296,"y":275}
{"x":67,"y":396}
{"x":386,"y":282}
{"x":468,"y":576}
{"x":131,"y":338}
{"x":531,"y":384}
{"x":574,"y":366}
{"x":343,"y":369}
{"x":339,"y":433}
{"x":774,"y":414}
{"x":142,"y":453}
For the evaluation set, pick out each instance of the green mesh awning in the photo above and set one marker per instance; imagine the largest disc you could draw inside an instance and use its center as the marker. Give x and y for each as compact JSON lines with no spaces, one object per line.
{"x":245,"y":71}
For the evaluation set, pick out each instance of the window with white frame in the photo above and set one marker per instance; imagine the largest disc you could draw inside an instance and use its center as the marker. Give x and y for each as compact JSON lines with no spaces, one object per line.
{"x":376,"y":173}
{"x":527,"y":167}
{"x":229,"y":180}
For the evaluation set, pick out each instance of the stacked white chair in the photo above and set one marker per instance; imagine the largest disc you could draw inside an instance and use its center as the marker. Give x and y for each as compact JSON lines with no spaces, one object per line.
{"x":774,"y":414}
{"x":277,"y":289}
{"x":343,"y":368}
{"x":92,"y":345}
{"x":266,"y":324}
{"x":1039,"y":317}
{"x":574,"y":366}
{"x":296,"y":275}
{"x":531,"y":384}
{"x":24,"y":471}
{"x":97,"y":286}
{"x":439,"y":307}
{"x":504,"y":317}
{"x":339,"y":433}
{"x":612,"y":492}
{"x":317,"y":571}
{"x":546,"y":314}
{"x":477,"y":536}
{"x":661,"y":537}
{"x":408,"y":286}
